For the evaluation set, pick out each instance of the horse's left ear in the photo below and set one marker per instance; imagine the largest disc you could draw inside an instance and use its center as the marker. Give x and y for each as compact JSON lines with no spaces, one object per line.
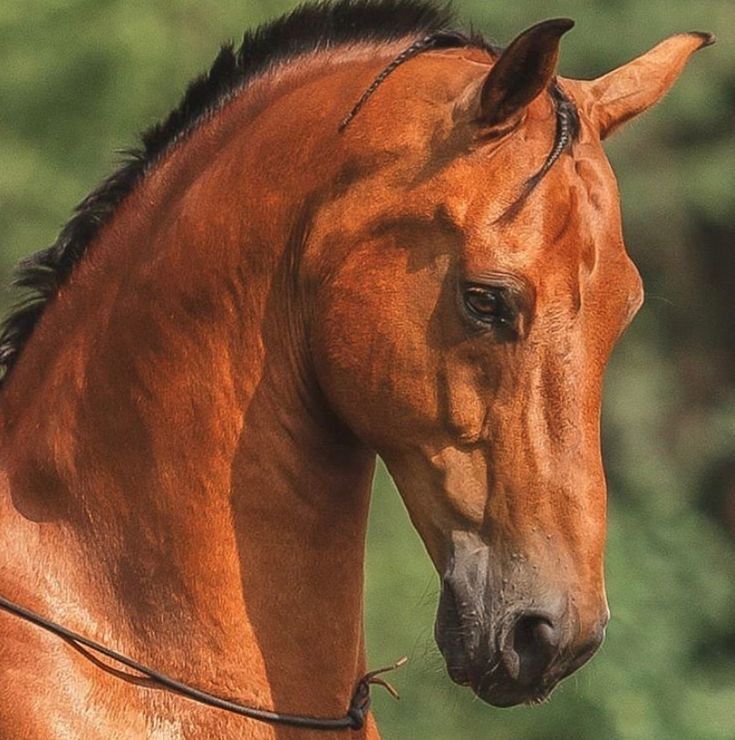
{"x":629,"y":90}
{"x":521,"y":73}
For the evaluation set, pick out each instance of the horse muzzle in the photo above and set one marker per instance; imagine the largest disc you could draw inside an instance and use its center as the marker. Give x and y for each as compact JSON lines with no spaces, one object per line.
{"x":506,"y":637}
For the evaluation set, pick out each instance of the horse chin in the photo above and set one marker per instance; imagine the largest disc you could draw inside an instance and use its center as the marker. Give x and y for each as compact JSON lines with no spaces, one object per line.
{"x":506,"y":701}
{"x":502,"y":693}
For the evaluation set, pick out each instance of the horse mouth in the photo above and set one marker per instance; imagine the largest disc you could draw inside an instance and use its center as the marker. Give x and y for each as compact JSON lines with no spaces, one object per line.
{"x":495,"y":686}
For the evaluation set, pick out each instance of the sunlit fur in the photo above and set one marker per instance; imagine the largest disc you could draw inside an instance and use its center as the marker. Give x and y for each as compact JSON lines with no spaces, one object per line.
{"x":188,"y":435}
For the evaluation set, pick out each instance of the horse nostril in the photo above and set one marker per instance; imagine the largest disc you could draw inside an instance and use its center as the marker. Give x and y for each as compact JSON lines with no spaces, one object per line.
{"x":532,"y":646}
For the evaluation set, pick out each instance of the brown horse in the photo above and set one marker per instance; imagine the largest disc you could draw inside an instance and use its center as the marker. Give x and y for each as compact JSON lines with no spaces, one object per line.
{"x":270,"y":293}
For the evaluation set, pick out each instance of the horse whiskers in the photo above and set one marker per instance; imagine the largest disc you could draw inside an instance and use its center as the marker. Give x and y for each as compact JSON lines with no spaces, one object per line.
{"x":430,"y":594}
{"x":492,"y":668}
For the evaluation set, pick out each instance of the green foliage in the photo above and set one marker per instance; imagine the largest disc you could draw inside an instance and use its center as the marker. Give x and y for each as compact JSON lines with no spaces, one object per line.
{"x":79,"y":77}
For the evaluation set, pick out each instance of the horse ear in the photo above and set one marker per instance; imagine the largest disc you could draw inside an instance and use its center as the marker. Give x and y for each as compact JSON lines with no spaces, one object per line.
{"x":629,"y":90}
{"x":522,"y":72}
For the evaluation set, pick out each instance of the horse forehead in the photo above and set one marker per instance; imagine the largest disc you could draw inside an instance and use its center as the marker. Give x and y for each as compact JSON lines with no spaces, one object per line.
{"x":572,"y":212}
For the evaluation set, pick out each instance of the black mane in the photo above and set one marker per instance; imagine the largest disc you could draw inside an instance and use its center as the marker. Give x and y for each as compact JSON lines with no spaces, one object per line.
{"x":311,"y":27}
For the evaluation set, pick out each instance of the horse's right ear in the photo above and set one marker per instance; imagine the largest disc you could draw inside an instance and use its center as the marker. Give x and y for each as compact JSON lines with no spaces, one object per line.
{"x":629,"y":90}
{"x":523,"y":70}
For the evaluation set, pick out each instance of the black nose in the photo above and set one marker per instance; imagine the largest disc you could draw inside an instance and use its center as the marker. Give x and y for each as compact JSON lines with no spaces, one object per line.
{"x":530,"y":647}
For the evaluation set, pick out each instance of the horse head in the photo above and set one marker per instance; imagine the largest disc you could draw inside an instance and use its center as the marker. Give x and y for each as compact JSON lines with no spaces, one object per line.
{"x":471,"y":281}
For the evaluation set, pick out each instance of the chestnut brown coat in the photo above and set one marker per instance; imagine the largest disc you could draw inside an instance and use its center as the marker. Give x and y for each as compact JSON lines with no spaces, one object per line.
{"x":187,"y":438}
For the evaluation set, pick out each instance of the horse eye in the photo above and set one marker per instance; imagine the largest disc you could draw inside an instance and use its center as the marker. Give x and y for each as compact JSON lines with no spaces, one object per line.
{"x":485,"y":304}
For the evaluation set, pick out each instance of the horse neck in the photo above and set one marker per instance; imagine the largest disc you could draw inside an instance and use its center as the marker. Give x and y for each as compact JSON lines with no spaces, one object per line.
{"x":171,"y":468}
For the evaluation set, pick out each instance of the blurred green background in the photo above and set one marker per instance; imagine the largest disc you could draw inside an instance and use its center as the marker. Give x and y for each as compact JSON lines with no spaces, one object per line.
{"x":78,"y":79}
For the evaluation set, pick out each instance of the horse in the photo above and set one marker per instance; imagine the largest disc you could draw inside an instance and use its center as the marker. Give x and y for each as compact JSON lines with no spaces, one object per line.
{"x":362,"y":233}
